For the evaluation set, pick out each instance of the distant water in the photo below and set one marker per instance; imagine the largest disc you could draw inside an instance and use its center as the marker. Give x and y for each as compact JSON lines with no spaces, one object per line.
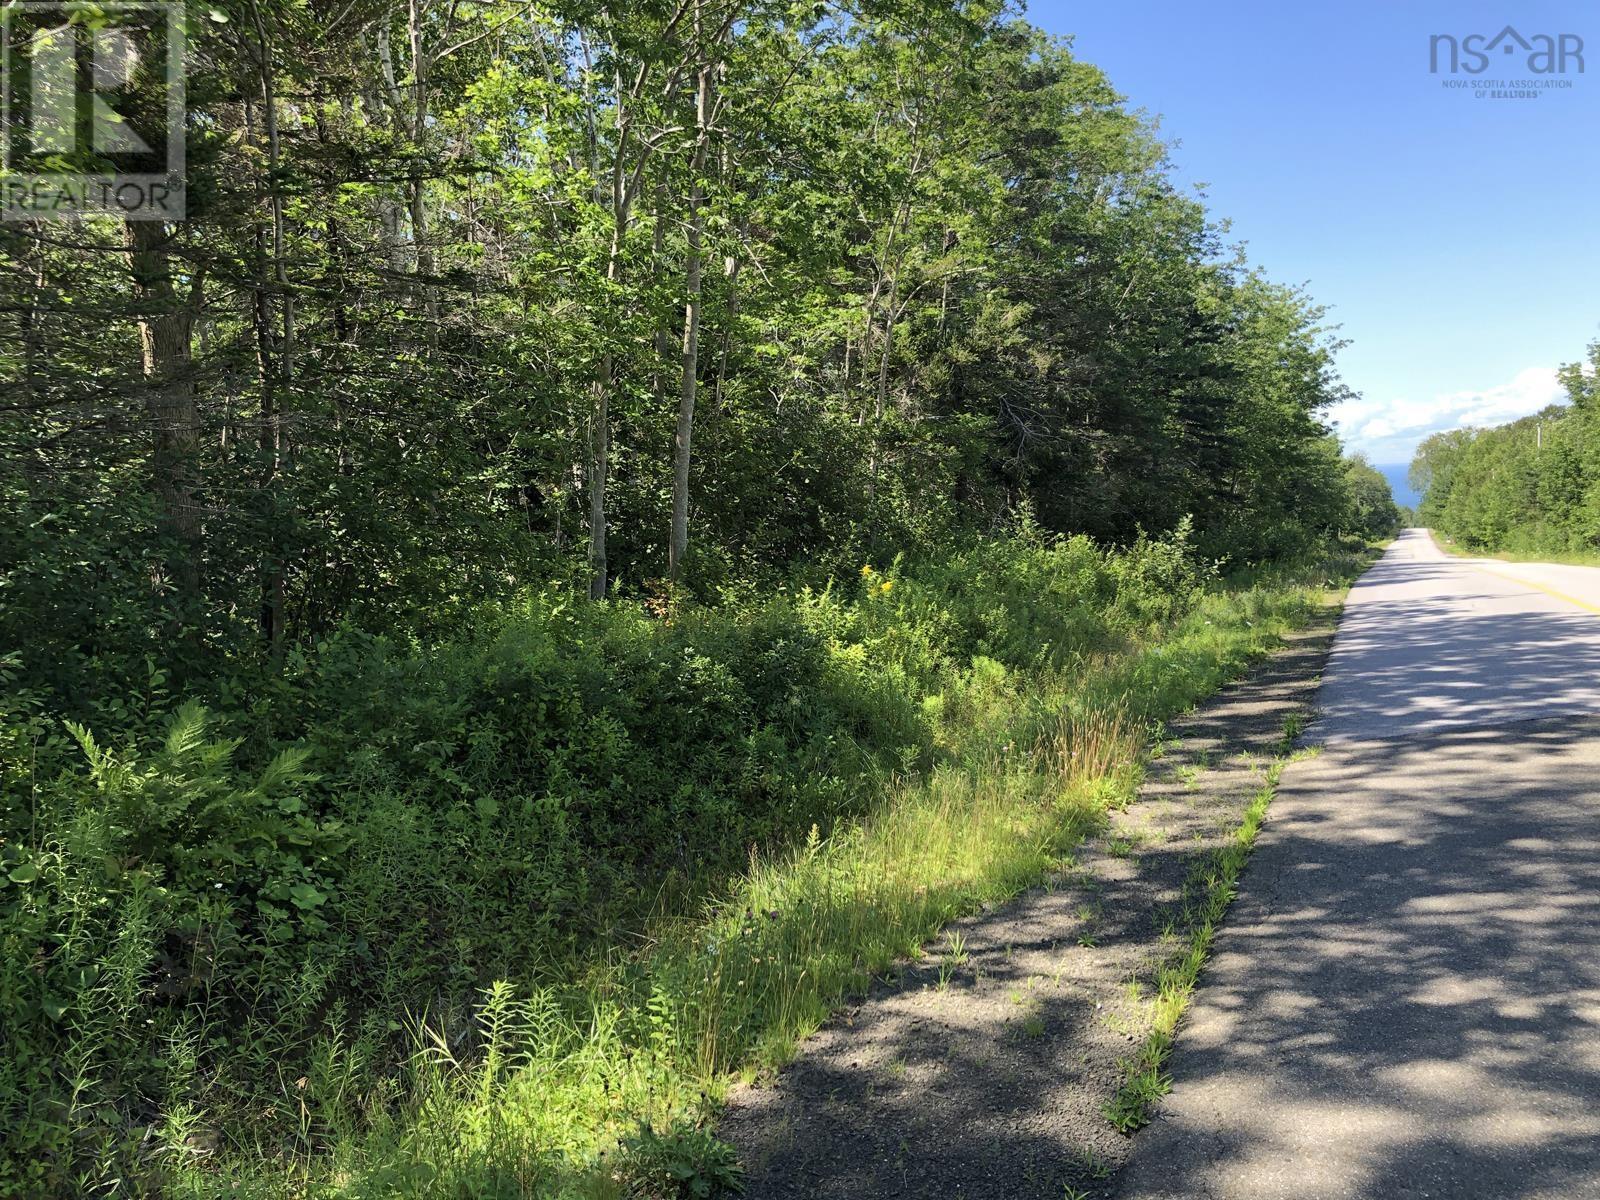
{"x":1395,"y":473}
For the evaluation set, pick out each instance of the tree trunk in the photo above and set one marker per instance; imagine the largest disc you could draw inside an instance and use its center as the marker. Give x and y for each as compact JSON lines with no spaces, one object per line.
{"x":679,"y":543}
{"x":663,"y":336}
{"x":730,"y":273}
{"x":28,"y":330}
{"x":275,"y":330}
{"x":599,"y":461}
{"x":417,"y":198}
{"x":600,"y":411}
{"x":165,"y":330}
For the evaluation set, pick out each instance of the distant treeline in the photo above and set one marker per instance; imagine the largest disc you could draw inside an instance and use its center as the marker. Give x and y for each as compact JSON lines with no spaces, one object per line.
{"x":1532,"y":486}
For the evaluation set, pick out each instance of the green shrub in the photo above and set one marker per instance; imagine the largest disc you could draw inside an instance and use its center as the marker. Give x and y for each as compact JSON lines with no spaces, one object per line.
{"x":1157,"y":581}
{"x":225,"y":927}
{"x":161,"y":885}
{"x":684,"y":1163}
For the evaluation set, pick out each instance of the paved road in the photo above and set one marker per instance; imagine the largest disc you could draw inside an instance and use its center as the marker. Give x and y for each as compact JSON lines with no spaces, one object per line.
{"x":1430,"y":642}
{"x":1406,"y":999}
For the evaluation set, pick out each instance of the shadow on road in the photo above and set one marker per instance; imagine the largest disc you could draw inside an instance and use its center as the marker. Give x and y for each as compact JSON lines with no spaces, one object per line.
{"x":1406,"y":1000}
{"x":1417,"y":650}
{"x":987,"y":1082}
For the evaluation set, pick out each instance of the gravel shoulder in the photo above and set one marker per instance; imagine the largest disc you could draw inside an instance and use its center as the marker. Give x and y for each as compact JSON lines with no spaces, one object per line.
{"x":1406,"y":1001}
{"x":981,"y":1069}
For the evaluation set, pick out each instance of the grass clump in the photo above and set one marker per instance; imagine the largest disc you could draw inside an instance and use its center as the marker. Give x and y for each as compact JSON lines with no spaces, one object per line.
{"x":1208,"y":892}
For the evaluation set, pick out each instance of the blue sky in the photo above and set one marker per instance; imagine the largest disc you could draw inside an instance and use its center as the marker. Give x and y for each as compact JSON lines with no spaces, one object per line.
{"x":1455,"y":240}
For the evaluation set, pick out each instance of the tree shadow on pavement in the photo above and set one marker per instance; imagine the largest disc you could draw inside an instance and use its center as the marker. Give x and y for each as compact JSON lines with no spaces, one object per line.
{"x":986,"y":1081}
{"x":1406,"y":663}
{"x":1406,"y":999}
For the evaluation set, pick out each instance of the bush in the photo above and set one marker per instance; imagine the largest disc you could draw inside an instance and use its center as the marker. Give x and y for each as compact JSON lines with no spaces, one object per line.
{"x":161,"y":886}
{"x":230,"y":920}
{"x":1157,"y":581}
{"x":685,"y":1163}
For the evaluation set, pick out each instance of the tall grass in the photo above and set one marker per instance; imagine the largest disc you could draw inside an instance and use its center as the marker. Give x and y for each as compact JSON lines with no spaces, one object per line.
{"x":650,"y":1037}
{"x":247,"y":963}
{"x":556,"y":1082}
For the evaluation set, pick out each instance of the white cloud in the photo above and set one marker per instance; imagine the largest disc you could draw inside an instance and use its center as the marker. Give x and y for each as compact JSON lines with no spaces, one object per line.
{"x":1373,"y":430}
{"x":1388,"y":431}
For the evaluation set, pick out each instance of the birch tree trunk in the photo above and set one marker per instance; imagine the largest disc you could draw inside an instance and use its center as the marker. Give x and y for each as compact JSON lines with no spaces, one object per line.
{"x":678,"y":546}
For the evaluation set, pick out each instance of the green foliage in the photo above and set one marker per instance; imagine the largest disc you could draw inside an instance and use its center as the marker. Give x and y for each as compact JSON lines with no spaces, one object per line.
{"x":308,"y":744}
{"x":1157,"y":581}
{"x":212,"y":942}
{"x":684,"y":1163}
{"x":912,"y":332}
{"x":1374,"y":515}
{"x":143,"y":887}
{"x":1530,"y":487}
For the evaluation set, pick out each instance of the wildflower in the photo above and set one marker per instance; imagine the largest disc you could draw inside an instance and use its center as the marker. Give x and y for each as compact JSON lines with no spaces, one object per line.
{"x":866,"y":571}
{"x":886,"y":586}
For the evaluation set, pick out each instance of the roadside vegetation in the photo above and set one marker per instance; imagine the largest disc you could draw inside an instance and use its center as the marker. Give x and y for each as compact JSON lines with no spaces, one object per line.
{"x":1526,"y":490}
{"x":1207,"y":894}
{"x":597,"y":533}
{"x":480,"y":953}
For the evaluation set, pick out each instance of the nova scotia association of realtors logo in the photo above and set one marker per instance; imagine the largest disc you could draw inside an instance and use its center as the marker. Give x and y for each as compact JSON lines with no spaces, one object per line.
{"x":1525,"y":67}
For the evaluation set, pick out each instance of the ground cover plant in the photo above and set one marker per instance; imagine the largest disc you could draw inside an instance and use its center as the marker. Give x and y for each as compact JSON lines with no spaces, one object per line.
{"x":492,"y":924}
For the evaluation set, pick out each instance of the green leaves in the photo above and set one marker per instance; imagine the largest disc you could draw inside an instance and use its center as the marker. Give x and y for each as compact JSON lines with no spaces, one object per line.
{"x":306,"y":897}
{"x":306,"y":721}
{"x":1530,"y":486}
{"x":685,"y":1162}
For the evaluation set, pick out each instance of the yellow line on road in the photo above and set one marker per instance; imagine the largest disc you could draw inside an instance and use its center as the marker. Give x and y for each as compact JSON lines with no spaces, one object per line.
{"x":1539,"y":587}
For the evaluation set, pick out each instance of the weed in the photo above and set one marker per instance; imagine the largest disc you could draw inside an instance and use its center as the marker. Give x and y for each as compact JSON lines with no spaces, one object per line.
{"x":1141,"y":1088}
{"x":551,"y":766}
{"x":1093,"y":1164}
{"x":685,"y":1161}
{"x":1208,"y":892}
{"x":1293,"y":725}
{"x":956,"y":953}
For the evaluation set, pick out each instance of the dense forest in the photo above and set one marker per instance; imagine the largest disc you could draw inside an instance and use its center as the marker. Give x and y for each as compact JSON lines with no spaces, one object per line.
{"x":1530,"y":487}
{"x":567,"y":458}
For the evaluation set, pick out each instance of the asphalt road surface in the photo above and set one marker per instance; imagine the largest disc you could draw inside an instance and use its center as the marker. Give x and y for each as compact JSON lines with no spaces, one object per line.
{"x":1405,"y":1001}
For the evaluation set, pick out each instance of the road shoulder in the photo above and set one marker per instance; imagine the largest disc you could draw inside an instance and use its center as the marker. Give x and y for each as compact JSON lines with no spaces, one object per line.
{"x":983,"y":1069}
{"x":1406,"y":1000}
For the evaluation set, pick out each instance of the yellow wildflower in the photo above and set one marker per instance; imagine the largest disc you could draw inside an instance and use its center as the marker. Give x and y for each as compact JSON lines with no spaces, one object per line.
{"x":886,"y":586}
